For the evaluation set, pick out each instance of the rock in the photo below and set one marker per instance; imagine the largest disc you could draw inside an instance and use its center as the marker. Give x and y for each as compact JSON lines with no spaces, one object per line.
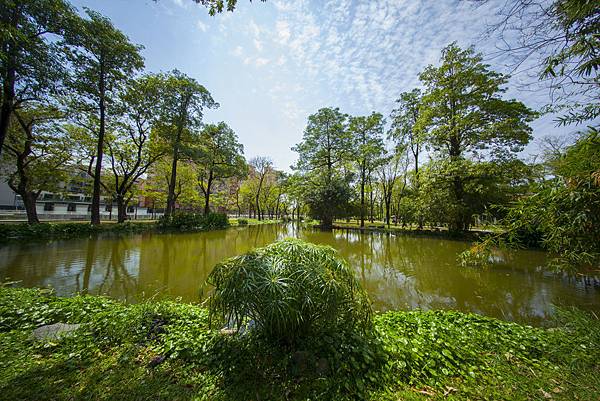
{"x":322,"y":367}
{"x":54,"y":331}
{"x":157,"y":360}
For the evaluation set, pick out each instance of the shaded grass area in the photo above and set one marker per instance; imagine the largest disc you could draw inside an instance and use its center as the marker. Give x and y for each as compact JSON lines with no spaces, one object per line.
{"x":167,"y":351}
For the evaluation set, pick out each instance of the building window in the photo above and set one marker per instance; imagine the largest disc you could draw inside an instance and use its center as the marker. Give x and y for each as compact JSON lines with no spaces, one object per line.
{"x":71,"y":207}
{"x":48,"y":207}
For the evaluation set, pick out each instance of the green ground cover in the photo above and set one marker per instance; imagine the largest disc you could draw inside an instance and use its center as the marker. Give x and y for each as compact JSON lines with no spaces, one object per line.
{"x":167,"y":350}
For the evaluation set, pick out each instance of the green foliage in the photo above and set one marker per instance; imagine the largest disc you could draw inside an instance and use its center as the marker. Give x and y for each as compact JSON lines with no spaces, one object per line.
{"x":242,"y":222}
{"x":193,"y":221}
{"x":404,"y":119}
{"x":288,"y":290}
{"x":9,"y":232}
{"x":217,"y":6}
{"x":463,"y":115}
{"x":218,"y":156}
{"x":483,"y":358}
{"x":578,"y":60}
{"x":326,"y":142}
{"x":561,"y":216}
{"x":180,"y":114}
{"x":167,"y":350}
{"x":31,"y":66}
{"x":328,"y":199}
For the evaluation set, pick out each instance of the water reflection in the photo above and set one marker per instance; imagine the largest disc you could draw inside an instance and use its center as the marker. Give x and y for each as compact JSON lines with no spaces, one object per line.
{"x":399,"y":272}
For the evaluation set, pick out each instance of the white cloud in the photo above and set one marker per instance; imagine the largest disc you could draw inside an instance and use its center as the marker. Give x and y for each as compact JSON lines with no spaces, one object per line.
{"x":283,"y":31}
{"x":202,"y":26}
{"x":280,"y":61}
{"x":261,"y":61}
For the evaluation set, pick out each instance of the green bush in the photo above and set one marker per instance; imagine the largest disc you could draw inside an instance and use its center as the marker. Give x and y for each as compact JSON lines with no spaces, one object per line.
{"x":193,"y":221}
{"x":288,"y":290}
{"x":242,"y":222}
{"x":65,"y":230}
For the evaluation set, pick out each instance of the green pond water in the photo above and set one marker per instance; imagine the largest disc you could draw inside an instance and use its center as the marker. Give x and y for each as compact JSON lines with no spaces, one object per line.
{"x":399,"y":272}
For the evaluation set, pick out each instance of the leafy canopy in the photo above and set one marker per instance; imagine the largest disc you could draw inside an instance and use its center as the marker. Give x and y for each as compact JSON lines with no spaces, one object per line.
{"x":463,"y":112}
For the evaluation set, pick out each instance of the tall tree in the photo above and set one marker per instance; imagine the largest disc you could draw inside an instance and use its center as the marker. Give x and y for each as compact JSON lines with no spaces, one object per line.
{"x":392,"y":167}
{"x":404,"y":134}
{"x":326,"y":146}
{"x":219,"y":156}
{"x":403,"y":130}
{"x":130,"y":147}
{"x":102,"y":59}
{"x":36,"y":153}
{"x":326,"y":142}
{"x":181,"y":111}
{"x":463,"y":114}
{"x":295,"y":187}
{"x":30,"y":64}
{"x":261,"y":165}
{"x":367,"y":133}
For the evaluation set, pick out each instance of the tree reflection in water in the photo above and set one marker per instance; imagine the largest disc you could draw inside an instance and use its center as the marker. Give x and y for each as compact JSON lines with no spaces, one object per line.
{"x":399,"y":272}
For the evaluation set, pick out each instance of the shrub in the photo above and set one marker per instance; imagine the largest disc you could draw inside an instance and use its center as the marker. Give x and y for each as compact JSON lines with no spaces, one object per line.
{"x":289,"y":289}
{"x":66,"y":230}
{"x":193,"y":221}
{"x":242,"y":222}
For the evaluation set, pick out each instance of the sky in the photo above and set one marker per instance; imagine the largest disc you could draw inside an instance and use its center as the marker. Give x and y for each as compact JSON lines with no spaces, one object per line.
{"x":271,"y":64}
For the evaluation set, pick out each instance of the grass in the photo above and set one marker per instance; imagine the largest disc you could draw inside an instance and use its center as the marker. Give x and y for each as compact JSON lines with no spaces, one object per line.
{"x":412,"y":229}
{"x":253,"y":222}
{"x":166,"y":350}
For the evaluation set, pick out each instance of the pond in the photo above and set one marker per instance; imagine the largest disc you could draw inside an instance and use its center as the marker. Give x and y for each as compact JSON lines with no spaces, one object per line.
{"x":399,"y":272}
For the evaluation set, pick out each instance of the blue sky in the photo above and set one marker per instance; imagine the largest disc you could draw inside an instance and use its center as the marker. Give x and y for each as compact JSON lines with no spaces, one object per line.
{"x":272,"y":64}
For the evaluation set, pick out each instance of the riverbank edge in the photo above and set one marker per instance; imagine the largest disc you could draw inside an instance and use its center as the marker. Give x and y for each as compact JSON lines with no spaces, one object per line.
{"x":162,"y":350}
{"x":15,"y":232}
{"x":469,"y":236}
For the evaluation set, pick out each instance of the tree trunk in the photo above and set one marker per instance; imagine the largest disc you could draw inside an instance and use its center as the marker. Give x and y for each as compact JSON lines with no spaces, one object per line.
{"x":388,"y":202}
{"x":372,"y":206}
{"x":459,"y":222}
{"x":29,"y":200}
{"x":362,"y":199}
{"x":95,"y":212}
{"x":257,"y":211}
{"x":171,"y":195}
{"x":207,"y":194}
{"x":327,"y":222}
{"x":121,"y":210}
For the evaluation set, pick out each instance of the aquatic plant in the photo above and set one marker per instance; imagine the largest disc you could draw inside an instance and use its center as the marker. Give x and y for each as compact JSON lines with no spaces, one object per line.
{"x":288,"y":289}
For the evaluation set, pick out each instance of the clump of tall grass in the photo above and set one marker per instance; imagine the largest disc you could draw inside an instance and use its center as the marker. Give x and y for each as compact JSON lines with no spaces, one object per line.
{"x":288,"y":290}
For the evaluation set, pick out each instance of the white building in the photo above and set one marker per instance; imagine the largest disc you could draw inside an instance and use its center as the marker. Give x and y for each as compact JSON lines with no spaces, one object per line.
{"x":70,"y":205}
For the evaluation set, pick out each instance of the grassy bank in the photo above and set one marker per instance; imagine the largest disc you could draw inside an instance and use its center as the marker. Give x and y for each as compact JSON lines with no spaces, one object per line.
{"x":381,"y":227}
{"x":167,"y":351}
{"x":61,"y":230}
